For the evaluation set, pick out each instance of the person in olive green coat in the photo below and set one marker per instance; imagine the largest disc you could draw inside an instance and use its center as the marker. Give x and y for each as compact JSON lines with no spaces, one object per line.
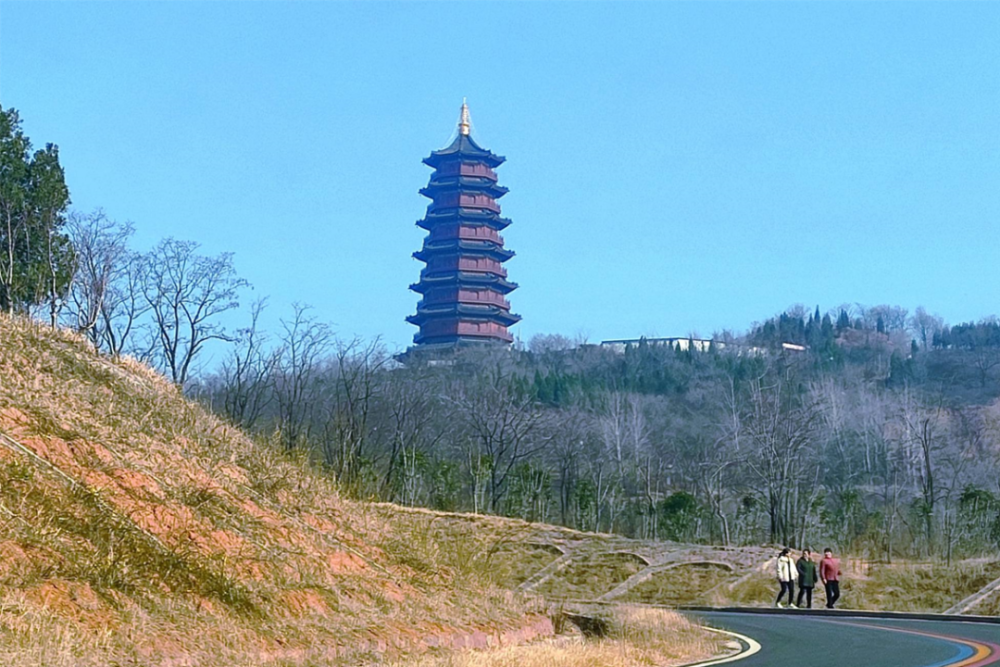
{"x":808,"y":576}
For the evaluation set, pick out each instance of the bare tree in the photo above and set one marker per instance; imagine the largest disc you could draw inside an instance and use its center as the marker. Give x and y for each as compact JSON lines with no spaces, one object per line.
{"x":894,"y":318}
{"x":572,"y":432}
{"x":923,"y":325}
{"x":505,"y":428}
{"x":123,"y":309}
{"x":102,"y":261}
{"x":247,"y":373}
{"x":186,"y":293}
{"x":778,"y":429}
{"x":547,"y":343}
{"x":984,"y":360}
{"x":304,"y":345}
{"x":347,"y":427}
{"x":923,"y":441}
{"x":412,"y":427}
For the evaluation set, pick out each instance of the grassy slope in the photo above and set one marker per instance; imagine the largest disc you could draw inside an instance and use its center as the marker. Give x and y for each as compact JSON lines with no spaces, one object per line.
{"x":137,"y":528}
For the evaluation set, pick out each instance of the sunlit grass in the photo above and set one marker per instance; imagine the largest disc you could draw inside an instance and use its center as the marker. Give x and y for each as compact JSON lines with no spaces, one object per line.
{"x":136,"y":528}
{"x":634,"y":636}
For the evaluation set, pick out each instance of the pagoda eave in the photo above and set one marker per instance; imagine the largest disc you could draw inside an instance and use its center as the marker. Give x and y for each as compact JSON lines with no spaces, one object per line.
{"x":465,"y":279}
{"x":472,"y":248}
{"x":461,"y":340}
{"x":467,"y":186}
{"x":464,"y":312}
{"x":468,"y":216}
{"x":436,"y":159}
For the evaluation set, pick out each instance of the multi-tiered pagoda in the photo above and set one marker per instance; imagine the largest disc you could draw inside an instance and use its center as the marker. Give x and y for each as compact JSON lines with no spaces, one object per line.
{"x":464,"y":282}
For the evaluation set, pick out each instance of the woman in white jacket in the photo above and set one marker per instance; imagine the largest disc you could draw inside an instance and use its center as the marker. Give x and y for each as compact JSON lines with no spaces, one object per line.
{"x":787,"y":574}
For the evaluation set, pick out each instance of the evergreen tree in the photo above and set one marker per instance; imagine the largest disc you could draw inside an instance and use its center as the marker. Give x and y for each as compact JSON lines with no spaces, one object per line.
{"x":827,"y":335}
{"x":843,"y":321}
{"x":35,"y":255}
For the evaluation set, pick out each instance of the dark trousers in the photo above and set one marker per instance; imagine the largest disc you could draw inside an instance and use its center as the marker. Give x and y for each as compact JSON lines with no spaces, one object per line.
{"x":808,"y":591}
{"x":786,"y":586}
{"x":832,"y":593}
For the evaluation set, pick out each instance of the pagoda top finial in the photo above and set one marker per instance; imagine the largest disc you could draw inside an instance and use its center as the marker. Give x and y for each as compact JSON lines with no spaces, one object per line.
{"x":464,"y":124}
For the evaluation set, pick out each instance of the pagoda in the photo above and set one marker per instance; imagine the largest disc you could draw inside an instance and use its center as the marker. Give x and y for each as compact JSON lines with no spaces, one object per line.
{"x":463,"y":284}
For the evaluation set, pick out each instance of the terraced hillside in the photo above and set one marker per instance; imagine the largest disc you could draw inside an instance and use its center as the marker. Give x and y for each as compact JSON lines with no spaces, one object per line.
{"x":565,"y":565}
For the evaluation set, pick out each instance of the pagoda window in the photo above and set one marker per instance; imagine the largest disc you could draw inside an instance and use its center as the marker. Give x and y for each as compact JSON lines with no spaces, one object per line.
{"x":464,"y":200}
{"x":483,"y":296}
{"x":477,"y":233}
{"x":477,"y":170}
{"x":480,"y":233}
{"x":478,"y":264}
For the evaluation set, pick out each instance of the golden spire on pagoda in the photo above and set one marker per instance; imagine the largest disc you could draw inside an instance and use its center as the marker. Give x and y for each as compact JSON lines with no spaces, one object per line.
{"x":464,"y":124}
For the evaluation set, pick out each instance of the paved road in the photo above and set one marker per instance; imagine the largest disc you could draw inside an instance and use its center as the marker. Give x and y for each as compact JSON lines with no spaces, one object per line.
{"x":813,"y":641}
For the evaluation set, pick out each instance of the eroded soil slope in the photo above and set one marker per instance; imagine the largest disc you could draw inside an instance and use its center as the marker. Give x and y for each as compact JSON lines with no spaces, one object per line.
{"x":136,"y":528}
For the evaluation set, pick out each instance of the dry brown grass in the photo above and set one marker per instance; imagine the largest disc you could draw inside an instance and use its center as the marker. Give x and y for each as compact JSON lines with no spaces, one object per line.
{"x":636,"y":636}
{"x":990,"y":606}
{"x":683,"y":584}
{"x":917,"y":587}
{"x":591,"y":576}
{"x":135,"y":528}
{"x":503,"y":551}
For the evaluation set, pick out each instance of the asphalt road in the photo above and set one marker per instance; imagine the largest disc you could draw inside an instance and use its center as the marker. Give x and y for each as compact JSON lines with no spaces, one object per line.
{"x":813,"y":641}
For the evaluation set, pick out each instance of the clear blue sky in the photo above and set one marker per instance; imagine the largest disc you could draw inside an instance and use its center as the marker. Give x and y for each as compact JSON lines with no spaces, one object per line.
{"x":673,"y":168}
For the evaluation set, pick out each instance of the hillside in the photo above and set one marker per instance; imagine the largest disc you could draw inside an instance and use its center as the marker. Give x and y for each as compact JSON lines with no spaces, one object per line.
{"x":136,"y":528}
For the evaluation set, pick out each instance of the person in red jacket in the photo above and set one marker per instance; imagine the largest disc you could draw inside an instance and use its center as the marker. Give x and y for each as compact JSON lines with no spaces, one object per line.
{"x":829,"y":574}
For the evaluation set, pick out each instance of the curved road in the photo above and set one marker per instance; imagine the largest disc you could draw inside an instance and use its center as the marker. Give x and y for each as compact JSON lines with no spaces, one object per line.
{"x":818,"y":641}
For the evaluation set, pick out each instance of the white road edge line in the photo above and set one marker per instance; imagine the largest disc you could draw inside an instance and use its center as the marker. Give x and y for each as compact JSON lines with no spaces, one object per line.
{"x":752,"y":644}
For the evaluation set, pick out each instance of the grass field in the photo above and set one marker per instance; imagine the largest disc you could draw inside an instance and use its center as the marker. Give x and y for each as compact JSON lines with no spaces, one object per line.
{"x":591,"y":576}
{"x":634,"y":636}
{"x":683,"y":584}
{"x":988,"y":607}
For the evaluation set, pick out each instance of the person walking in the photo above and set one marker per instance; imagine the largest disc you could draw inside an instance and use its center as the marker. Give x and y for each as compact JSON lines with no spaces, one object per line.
{"x":808,"y":576}
{"x":829,"y":574}
{"x":786,"y":578}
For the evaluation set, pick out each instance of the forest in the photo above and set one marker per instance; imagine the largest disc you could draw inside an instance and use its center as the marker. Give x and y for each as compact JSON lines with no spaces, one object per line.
{"x":879,"y":433}
{"x":868,"y":440}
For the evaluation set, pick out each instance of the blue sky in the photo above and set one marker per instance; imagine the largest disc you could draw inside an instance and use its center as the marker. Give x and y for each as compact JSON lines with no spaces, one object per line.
{"x":674,"y":168}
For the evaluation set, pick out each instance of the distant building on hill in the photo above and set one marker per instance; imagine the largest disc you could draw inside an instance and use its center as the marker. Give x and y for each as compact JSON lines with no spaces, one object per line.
{"x":463,"y":284}
{"x":682,"y":344}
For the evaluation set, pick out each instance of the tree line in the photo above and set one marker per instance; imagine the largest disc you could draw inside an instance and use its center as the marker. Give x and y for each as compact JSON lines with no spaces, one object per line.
{"x":734,"y":445}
